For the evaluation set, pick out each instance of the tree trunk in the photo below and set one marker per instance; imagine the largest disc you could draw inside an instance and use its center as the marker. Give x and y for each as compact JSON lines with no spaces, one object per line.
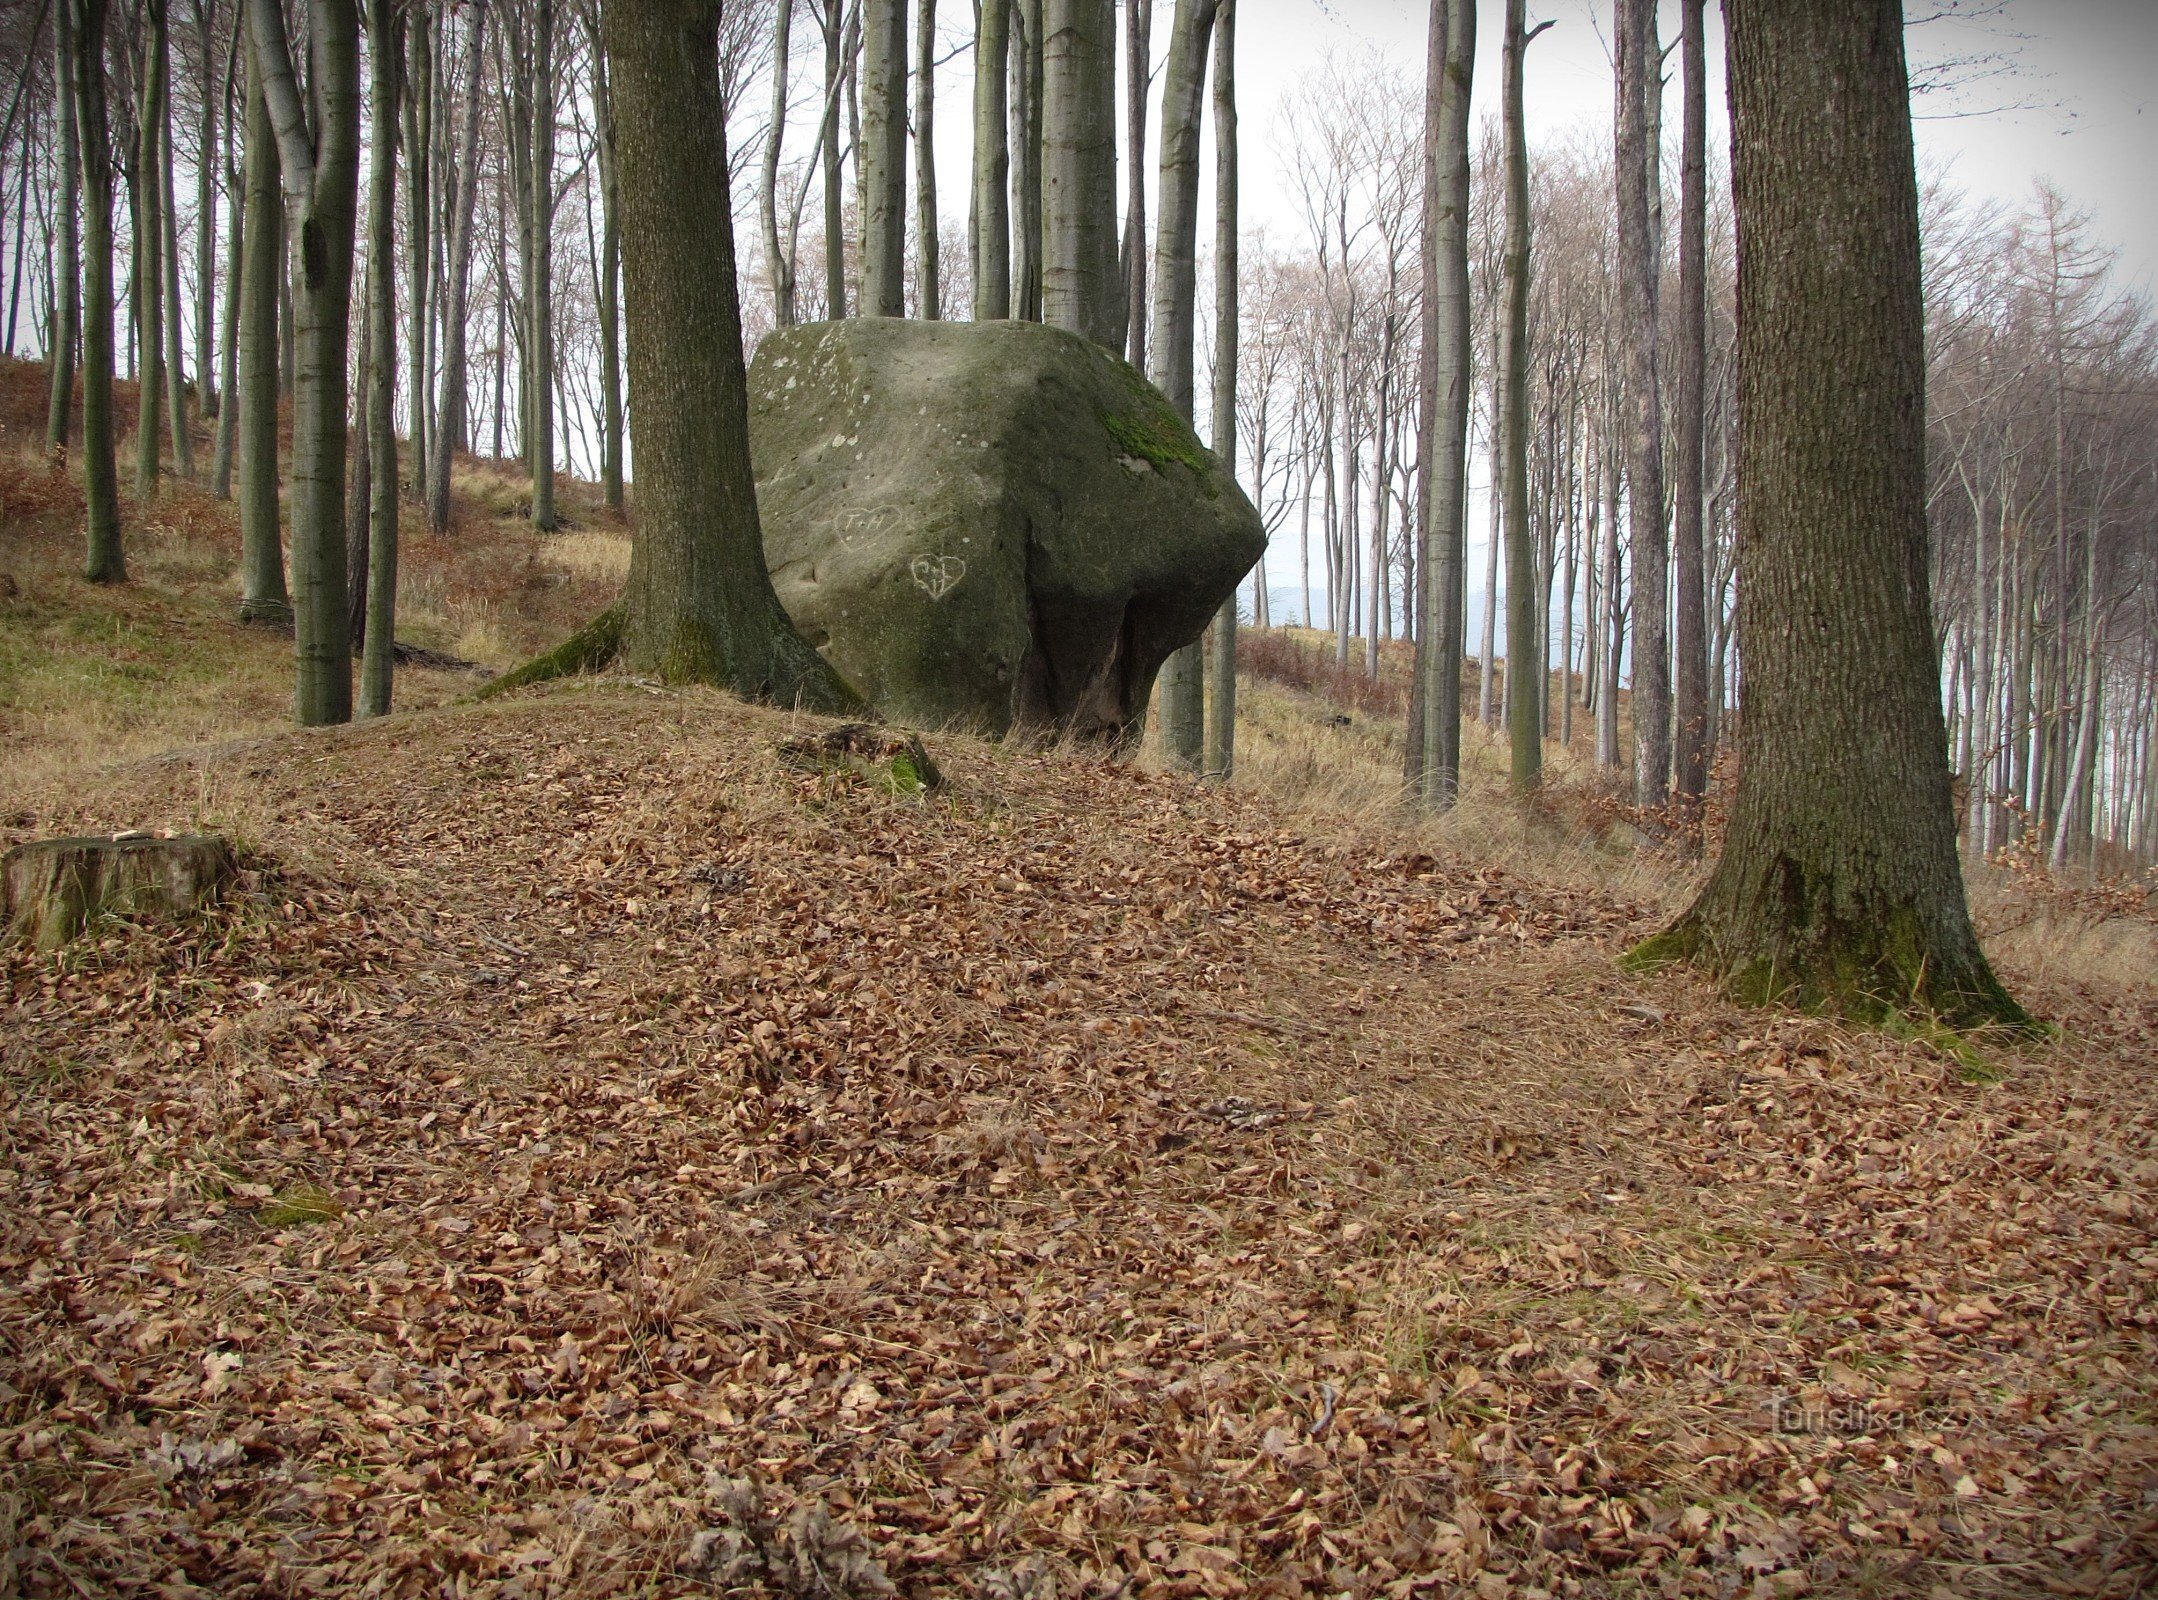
{"x":1026,"y":112}
{"x":1138,"y":36}
{"x":1839,"y":882}
{"x":263,"y":598}
{"x":454,"y":434}
{"x":1444,"y":378}
{"x":167,"y":255}
{"x":206,"y":342}
{"x":51,"y":888}
{"x":698,"y":606}
{"x":228,"y":387}
{"x":1183,"y":675}
{"x":835,"y":223}
{"x":928,"y":264}
{"x":1523,"y":642}
{"x":360,"y":470}
{"x":1638,"y":79}
{"x":386,"y":49}
{"x":991,"y":211}
{"x":1221,"y":705}
{"x":67,"y":291}
{"x":100,"y":468}
{"x":539,"y":303}
{"x":1082,"y":290}
{"x":1689,"y":708}
{"x":319,"y":157}
{"x":418,"y":94}
{"x":884,"y":158}
{"x":149,"y":237}
{"x":778,"y":262}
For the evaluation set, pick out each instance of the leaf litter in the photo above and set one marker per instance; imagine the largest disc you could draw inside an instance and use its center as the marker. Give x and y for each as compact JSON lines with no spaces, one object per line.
{"x":594,"y":1155}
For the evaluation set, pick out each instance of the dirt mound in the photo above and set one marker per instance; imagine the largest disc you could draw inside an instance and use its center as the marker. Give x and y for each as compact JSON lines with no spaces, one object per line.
{"x":584,"y":1126}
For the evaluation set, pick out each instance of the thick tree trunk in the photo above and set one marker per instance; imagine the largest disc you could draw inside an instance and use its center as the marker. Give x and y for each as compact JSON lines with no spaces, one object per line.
{"x":1638,"y":79}
{"x":1689,"y":707}
{"x":884,"y":158}
{"x":1524,"y":645}
{"x":1221,"y":666}
{"x":1839,"y":882}
{"x":928,"y":266}
{"x":1183,"y":675}
{"x":67,"y":290}
{"x":100,"y":468}
{"x":991,"y":212}
{"x":455,"y":431}
{"x":1082,"y":290}
{"x":386,"y":46}
{"x":778,"y":261}
{"x":319,"y":158}
{"x":698,"y":605}
{"x":1444,"y":379}
{"x":263,"y":598}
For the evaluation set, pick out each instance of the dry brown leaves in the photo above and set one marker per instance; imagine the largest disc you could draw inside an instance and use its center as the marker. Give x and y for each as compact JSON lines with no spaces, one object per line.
{"x":595,"y":1158}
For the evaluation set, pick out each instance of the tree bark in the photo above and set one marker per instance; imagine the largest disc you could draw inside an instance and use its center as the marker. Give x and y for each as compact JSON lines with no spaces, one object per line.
{"x":884,"y":158}
{"x":100,"y":469}
{"x":835,"y":224}
{"x":698,"y":605}
{"x":1026,"y":115}
{"x":417,"y":93}
{"x":1138,"y":38}
{"x":263,"y":598}
{"x":319,"y":157}
{"x":1524,"y":645}
{"x":206,"y":341}
{"x":67,"y":290}
{"x":778,"y":262}
{"x":1183,"y":675}
{"x":539,"y":302}
{"x":928,"y":266}
{"x":1082,"y":290}
{"x":228,"y":388}
{"x":1689,"y":708}
{"x":167,"y":258}
{"x":991,"y":210}
{"x":1638,"y":79}
{"x":454,"y":433}
{"x":1839,"y":883}
{"x":1220,"y":760}
{"x":1444,"y":380}
{"x":386,"y":41}
{"x":149,"y":238}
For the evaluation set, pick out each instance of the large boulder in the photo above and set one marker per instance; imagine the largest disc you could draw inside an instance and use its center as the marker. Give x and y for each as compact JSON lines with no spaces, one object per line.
{"x":988,"y":525}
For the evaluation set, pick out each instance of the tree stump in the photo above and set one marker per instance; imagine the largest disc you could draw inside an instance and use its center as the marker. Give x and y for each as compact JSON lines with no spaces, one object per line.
{"x":50,"y":888}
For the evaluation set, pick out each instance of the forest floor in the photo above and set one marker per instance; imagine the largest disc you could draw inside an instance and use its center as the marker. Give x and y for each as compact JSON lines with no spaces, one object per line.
{"x":589,"y":1156}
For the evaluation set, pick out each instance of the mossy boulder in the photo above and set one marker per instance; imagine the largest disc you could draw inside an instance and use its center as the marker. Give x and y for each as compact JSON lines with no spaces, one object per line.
{"x":988,"y":525}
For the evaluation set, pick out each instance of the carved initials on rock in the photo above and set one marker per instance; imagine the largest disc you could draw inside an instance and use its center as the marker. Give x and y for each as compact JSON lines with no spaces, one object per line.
{"x":937,"y":576}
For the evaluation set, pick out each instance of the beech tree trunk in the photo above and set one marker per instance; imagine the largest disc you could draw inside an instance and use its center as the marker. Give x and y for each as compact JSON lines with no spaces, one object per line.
{"x":778,"y":261}
{"x":100,"y":467}
{"x":990,"y":215}
{"x":1183,"y":675}
{"x":1444,"y":378}
{"x":1638,"y":79}
{"x":928,"y":267}
{"x":884,"y":158}
{"x":1082,"y":290}
{"x":1524,"y":638}
{"x":835,"y":224}
{"x":1689,"y":701}
{"x":67,"y":288}
{"x":386,"y":48}
{"x":1138,"y":39}
{"x":1221,"y":640}
{"x":319,"y":157}
{"x":417,"y":95}
{"x":149,"y":238}
{"x":263,"y":598}
{"x":454,"y":432}
{"x":1026,"y":141}
{"x":166,"y":259}
{"x":539,"y":292}
{"x":698,"y":606}
{"x":1839,"y":882}
{"x":228,"y":387}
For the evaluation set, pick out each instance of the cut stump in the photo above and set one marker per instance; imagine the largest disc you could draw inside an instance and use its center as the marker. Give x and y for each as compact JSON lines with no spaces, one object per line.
{"x":896,"y":760}
{"x":50,"y":888}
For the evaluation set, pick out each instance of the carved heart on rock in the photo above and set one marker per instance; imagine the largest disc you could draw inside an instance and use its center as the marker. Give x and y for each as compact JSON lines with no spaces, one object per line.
{"x":937,"y":576}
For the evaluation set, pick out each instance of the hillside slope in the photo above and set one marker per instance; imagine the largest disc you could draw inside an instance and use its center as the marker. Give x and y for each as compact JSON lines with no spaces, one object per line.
{"x":1069,"y":1183}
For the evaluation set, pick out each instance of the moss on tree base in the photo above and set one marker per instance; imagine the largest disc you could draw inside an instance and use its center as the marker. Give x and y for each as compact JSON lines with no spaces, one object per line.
{"x":590,"y":649}
{"x":1873,"y":973}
